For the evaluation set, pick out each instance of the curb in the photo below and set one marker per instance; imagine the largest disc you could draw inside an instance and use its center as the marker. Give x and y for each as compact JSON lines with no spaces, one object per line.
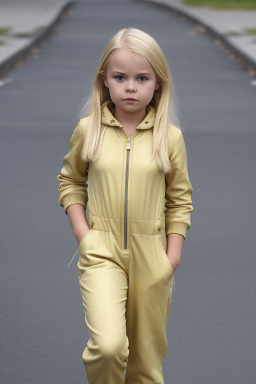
{"x":11,"y":61}
{"x":247,"y":60}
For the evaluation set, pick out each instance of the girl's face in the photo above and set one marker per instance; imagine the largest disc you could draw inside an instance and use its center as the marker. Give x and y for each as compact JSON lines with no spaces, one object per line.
{"x":130,"y":80}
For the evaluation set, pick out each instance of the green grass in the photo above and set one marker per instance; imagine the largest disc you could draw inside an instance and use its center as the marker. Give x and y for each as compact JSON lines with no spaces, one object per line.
{"x":223,"y":4}
{"x":2,"y":42}
{"x":4,"y":31}
{"x":250,"y":31}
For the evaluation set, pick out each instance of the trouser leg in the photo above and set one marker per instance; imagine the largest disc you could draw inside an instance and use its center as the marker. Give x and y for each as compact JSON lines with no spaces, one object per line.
{"x":103,"y":286}
{"x":148,"y":305}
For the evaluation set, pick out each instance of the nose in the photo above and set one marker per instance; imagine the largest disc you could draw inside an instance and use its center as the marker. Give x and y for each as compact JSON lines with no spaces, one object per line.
{"x":130,"y":86}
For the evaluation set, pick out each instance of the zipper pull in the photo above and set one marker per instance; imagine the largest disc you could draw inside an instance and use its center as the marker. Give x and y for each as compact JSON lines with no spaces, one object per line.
{"x":128,"y":144}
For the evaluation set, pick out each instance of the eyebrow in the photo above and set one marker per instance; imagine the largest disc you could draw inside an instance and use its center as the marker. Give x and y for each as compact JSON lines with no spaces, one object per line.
{"x":138,"y":74}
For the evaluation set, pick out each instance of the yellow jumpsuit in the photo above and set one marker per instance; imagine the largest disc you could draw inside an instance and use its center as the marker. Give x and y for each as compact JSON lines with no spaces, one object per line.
{"x":124,"y":273}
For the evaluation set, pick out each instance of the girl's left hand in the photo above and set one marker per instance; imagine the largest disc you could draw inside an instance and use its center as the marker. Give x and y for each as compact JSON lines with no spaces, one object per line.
{"x":174,"y":261}
{"x":174,"y":247}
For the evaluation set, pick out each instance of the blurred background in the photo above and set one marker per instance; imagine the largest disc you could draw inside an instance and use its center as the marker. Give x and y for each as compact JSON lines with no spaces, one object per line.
{"x":48,"y":54}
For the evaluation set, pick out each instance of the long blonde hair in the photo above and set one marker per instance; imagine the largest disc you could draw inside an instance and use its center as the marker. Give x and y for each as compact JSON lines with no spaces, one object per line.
{"x":163,"y":100}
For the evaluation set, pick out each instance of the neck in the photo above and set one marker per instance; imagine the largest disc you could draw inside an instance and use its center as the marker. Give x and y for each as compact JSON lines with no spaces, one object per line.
{"x":130,"y":119}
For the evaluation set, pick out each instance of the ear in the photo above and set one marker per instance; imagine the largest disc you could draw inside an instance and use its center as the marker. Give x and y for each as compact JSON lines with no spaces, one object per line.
{"x":106,"y":82}
{"x":157,"y":86}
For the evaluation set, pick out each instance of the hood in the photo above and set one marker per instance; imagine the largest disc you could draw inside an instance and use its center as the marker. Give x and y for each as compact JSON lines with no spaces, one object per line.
{"x":107,"y":117}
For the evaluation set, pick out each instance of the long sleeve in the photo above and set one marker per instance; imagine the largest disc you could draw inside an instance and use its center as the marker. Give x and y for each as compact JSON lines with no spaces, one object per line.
{"x":73,"y":175}
{"x":179,"y":190}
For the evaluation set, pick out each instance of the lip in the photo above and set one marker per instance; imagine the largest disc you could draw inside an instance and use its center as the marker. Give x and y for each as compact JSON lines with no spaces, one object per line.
{"x":130,"y":99}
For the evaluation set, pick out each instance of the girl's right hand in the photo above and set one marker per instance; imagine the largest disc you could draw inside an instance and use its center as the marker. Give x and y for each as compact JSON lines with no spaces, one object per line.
{"x":76,"y":214}
{"x":81,"y":234}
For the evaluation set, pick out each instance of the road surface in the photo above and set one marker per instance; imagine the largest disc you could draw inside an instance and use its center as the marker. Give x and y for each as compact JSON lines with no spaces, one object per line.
{"x":211,"y":328}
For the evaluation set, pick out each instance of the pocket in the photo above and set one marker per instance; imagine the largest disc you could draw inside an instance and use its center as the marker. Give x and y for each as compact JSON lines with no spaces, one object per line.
{"x":164,"y":254}
{"x":84,"y":237}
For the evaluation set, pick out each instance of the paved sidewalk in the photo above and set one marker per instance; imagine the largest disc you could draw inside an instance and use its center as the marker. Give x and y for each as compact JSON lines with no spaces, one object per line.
{"x":229,"y":25}
{"x":30,"y":20}
{"x":27,"y":22}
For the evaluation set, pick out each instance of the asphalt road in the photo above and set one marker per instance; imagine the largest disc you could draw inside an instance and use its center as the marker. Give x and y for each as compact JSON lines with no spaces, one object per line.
{"x":211,"y":327}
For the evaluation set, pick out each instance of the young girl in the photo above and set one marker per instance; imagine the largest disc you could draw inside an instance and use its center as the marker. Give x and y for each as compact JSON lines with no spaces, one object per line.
{"x":139,"y":200}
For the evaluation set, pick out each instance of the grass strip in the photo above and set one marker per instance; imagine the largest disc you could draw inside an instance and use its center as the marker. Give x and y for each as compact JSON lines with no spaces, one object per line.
{"x":223,"y":4}
{"x":4,"y":31}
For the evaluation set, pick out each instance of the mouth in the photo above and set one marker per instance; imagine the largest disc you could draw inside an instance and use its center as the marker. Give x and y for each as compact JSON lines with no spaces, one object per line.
{"x":130,"y":99}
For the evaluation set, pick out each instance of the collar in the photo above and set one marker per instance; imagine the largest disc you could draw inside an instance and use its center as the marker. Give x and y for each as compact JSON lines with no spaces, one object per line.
{"x":107,"y":118}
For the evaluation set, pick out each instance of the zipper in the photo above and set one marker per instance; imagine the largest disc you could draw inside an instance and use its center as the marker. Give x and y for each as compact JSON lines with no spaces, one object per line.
{"x":128,"y":147}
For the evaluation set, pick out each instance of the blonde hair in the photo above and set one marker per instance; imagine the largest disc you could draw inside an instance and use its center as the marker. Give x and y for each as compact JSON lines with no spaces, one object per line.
{"x":163,"y":100}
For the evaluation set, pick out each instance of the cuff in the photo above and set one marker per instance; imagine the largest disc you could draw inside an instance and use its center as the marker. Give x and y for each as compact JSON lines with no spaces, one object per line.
{"x":175,"y":227}
{"x":72,"y":199}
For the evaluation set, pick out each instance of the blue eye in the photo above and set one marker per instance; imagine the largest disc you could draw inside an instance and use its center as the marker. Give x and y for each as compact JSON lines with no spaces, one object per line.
{"x":119,"y":78}
{"x":142,"y":79}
